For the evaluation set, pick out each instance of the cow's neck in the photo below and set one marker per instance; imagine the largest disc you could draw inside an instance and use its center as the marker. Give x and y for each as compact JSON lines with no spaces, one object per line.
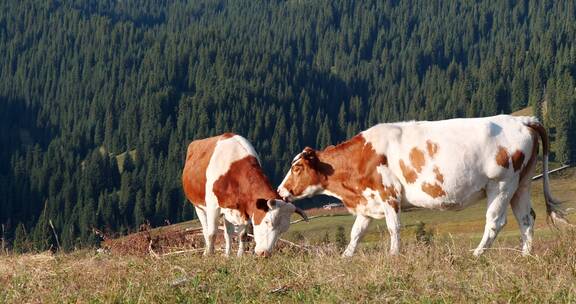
{"x":341,"y":170}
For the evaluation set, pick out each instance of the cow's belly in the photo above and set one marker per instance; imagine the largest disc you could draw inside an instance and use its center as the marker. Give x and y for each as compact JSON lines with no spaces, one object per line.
{"x":456,"y":198}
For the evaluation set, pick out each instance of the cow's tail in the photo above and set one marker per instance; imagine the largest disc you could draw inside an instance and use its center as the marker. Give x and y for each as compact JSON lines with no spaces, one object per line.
{"x":553,"y":207}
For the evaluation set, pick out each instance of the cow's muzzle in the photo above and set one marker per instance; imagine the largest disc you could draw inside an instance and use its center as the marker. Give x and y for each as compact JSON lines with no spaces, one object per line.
{"x":263,"y":253}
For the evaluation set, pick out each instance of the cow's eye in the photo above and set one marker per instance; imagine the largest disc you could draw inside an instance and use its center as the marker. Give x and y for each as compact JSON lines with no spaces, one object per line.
{"x":296,"y":169}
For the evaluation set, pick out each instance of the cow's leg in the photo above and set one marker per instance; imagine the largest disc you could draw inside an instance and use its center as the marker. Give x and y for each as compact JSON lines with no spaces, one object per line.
{"x":393,"y":223}
{"x":499,"y":195}
{"x":212,"y":215}
{"x":201,"y":214}
{"x":228,"y":232}
{"x":241,"y":235}
{"x":358,"y":229}
{"x":525,"y":216}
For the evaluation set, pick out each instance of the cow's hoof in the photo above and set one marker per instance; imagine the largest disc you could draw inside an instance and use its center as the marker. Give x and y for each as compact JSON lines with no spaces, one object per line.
{"x":347,"y":254}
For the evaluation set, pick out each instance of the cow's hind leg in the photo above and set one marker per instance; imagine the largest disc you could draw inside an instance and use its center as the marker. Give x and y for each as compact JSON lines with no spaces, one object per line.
{"x":358,"y":230}
{"x":241,"y":235}
{"x":499,"y":195}
{"x":522,"y":205}
{"x":525,"y":216}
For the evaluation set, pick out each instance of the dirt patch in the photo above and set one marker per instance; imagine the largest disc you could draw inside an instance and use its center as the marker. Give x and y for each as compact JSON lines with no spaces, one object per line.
{"x":160,"y":241}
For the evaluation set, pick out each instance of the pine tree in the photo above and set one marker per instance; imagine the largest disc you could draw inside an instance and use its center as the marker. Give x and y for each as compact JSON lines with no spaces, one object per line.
{"x":21,"y":241}
{"x":519,"y":93}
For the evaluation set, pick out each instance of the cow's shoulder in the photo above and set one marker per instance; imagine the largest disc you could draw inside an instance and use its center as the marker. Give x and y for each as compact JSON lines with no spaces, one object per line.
{"x":382,"y":135}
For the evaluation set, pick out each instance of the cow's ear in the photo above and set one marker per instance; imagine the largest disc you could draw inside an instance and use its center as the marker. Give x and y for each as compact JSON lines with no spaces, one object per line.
{"x":271,"y":203}
{"x":262,"y":204}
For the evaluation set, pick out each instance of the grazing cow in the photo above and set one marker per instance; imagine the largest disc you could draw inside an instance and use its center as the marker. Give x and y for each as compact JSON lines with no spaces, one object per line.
{"x":222,"y":175}
{"x":443,"y":165}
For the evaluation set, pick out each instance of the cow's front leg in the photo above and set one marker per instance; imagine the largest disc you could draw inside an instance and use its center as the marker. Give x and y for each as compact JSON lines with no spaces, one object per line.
{"x":228,"y":232}
{"x":393,"y":223}
{"x":358,"y":230}
{"x":499,"y":195}
{"x":241,"y":235}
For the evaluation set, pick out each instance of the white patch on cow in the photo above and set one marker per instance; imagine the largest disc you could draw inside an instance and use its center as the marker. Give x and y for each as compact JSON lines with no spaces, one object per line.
{"x":297,"y":157}
{"x":380,"y":136}
{"x":233,"y":216}
{"x":374,"y":207}
{"x":388,"y":177}
{"x":332,"y":194}
{"x":248,"y":147}
{"x":225,"y":153}
{"x":310,"y":191}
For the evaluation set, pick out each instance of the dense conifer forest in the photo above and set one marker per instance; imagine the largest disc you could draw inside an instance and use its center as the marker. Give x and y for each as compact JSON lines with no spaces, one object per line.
{"x":99,"y":98}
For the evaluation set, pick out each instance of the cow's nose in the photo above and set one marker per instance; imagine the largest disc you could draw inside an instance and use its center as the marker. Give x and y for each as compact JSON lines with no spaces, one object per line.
{"x":284,"y":193}
{"x":264,"y":254}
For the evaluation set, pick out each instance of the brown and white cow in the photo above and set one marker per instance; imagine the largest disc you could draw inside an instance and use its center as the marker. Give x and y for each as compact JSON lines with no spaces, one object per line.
{"x":444,"y":165}
{"x":222,"y":175}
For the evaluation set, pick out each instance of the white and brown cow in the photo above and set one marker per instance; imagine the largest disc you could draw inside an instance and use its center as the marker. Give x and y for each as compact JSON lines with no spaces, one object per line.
{"x":222,"y":175}
{"x":443,"y":165}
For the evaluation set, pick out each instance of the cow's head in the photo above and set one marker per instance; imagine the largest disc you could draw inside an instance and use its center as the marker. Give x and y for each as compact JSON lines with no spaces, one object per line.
{"x":275,"y":222}
{"x":305,"y":178}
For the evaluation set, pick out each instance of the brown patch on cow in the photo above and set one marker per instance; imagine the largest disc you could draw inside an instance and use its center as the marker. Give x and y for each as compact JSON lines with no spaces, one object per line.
{"x":384,"y":160}
{"x":517,"y":160}
{"x":434,"y":190}
{"x":394,"y":204}
{"x":533,"y":157}
{"x":432,"y":148}
{"x":409,"y":174}
{"x":346,"y":170}
{"x":389,"y":195}
{"x":242,"y":186}
{"x":417,"y":159}
{"x":194,"y":173}
{"x":439,"y":176}
{"x":502,"y":157}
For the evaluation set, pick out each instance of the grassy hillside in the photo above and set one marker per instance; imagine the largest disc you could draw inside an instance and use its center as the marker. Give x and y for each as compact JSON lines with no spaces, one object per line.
{"x":442,"y":271}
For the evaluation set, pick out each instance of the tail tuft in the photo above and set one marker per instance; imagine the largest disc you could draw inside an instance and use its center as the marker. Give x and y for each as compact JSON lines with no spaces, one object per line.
{"x":558,"y":217}
{"x":553,"y":207}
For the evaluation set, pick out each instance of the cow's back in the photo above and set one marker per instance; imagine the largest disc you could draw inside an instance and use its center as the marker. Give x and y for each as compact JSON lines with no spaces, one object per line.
{"x":198,"y":158}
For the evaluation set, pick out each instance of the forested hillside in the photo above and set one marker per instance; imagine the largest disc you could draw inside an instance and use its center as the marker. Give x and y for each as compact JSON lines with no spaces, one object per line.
{"x":99,"y":98}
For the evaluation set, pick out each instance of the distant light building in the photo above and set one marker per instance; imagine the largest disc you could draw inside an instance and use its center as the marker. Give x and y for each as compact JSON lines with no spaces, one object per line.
{"x":332,"y":205}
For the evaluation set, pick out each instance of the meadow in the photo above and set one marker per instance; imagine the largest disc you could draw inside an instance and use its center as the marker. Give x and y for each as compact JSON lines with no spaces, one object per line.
{"x":440,"y":270}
